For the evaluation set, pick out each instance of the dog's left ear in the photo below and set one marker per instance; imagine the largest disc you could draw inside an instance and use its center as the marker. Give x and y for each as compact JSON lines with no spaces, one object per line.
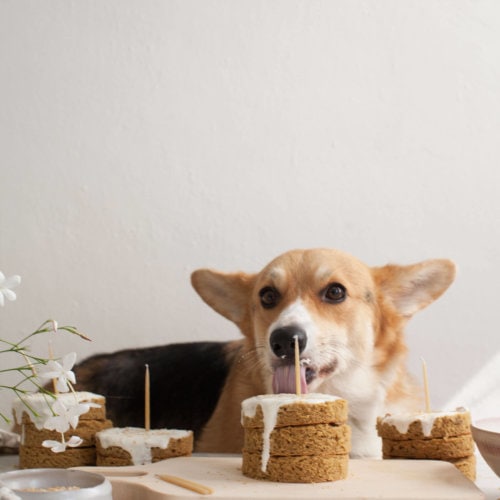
{"x":411,"y":288}
{"x":228,"y":294}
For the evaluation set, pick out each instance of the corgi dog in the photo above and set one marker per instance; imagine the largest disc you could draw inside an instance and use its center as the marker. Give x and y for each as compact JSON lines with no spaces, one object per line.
{"x":347,"y":318}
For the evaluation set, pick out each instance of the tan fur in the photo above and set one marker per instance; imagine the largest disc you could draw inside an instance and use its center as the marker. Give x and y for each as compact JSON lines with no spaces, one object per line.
{"x":356,"y":347}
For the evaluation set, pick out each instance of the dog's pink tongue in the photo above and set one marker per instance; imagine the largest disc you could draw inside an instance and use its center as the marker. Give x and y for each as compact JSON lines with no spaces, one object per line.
{"x":284,"y":380}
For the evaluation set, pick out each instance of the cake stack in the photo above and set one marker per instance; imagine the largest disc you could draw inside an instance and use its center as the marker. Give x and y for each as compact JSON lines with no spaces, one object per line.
{"x":136,"y":446}
{"x":299,"y":439}
{"x":432,"y":435}
{"x":31,"y":414}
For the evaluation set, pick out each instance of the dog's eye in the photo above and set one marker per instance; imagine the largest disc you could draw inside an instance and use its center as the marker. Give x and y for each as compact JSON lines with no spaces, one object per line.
{"x":334,"y":293}
{"x":269,"y":297}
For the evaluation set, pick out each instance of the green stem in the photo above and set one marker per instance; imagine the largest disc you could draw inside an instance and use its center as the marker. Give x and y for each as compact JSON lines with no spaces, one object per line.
{"x":5,"y":418}
{"x":27,"y":371}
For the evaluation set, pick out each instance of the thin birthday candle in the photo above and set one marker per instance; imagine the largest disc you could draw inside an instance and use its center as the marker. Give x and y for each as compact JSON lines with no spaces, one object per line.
{"x":426,"y":387}
{"x":51,"y":357}
{"x":297,"y":366}
{"x":147,"y":406}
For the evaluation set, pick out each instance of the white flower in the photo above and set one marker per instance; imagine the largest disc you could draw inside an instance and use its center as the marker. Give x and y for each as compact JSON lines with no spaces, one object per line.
{"x":58,"y":447}
{"x":74,"y":441}
{"x":61,"y":373}
{"x":65,"y":417}
{"x":6,"y":285}
{"x":55,"y":446}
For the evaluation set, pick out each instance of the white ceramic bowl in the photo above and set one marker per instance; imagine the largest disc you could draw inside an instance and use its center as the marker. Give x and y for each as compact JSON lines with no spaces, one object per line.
{"x":90,"y":485}
{"x":486,"y":433}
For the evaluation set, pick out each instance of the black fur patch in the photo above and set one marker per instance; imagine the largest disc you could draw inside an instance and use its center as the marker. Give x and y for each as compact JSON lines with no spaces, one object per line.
{"x":186,"y":382}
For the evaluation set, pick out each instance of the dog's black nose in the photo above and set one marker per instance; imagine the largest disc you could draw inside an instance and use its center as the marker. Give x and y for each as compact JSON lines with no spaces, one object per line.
{"x":282,"y":341}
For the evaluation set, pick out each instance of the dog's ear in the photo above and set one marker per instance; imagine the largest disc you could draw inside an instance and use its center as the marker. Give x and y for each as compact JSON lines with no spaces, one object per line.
{"x":411,"y":288}
{"x":228,"y":294}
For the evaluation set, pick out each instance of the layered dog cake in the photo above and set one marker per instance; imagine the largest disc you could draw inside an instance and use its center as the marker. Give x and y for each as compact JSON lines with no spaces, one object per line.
{"x":31,"y":413}
{"x":137,"y":446}
{"x":432,"y":435}
{"x":298,"y":439}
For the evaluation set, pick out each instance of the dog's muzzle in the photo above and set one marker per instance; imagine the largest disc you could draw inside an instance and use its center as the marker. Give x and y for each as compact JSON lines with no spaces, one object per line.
{"x":282,"y":342}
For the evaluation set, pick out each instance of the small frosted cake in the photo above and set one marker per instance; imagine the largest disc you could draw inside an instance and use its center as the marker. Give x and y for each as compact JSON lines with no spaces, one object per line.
{"x":432,"y":435}
{"x":301,"y":439}
{"x":32,"y":411}
{"x":136,"y":446}
{"x":41,"y":403}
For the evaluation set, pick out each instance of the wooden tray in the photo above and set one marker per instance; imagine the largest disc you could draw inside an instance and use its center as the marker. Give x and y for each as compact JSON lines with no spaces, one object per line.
{"x":384,"y":479}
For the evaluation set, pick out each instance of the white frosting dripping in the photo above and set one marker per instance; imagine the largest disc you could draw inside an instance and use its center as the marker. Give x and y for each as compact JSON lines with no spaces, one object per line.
{"x":138,"y":442}
{"x":402,"y":421}
{"x":270,"y":404}
{"x":41,"y":404}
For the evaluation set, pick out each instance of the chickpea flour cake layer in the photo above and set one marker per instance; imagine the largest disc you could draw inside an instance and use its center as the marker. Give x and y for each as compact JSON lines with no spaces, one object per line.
{"x":136,"y":446}
{"x":86,"y":430}
{"x":41,"y":405}
{"x":424,"y":425}
{"x":290,"y":409}
{"x":40,"y":458}
{"x":466,"y":465}
{"x":320,"y":439}
{"x":300,"y":469}
{"x":437,"y":449}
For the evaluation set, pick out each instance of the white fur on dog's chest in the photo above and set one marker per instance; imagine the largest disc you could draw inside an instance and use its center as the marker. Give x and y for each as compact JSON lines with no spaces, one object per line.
{"x":366,"y":403}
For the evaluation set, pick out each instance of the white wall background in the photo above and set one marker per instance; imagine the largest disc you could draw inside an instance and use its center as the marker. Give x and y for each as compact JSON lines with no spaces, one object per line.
{"x":141,"y":140}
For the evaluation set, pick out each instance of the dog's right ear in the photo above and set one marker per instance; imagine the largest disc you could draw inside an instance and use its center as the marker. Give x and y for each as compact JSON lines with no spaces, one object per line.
{"x":411,"y":288}
{"x":228,"y":294}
